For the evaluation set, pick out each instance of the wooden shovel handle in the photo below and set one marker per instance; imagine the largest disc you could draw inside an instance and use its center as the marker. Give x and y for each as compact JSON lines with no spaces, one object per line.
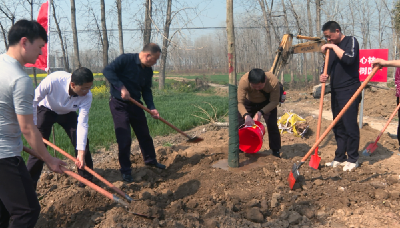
{"x":334,"y":122}
{"x":387,"y":123}
{"x":321,"y":100}
{"x":119,"y":191}
{"x":160,"y":118}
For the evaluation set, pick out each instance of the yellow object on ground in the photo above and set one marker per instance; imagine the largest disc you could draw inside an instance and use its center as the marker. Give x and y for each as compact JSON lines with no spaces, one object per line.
{"x":290,"y":123}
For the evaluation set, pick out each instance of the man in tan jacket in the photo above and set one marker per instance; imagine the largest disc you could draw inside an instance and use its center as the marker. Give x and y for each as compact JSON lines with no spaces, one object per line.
{"x":258,"y":95}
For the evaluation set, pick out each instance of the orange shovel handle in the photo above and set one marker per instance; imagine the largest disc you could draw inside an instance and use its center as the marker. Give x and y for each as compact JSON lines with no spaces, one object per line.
{"x":334,"y":122}
{"x":119,"y":191}
{"x":387,"y":123}
{"x":83,"y":180}
{"x":321,"y":100}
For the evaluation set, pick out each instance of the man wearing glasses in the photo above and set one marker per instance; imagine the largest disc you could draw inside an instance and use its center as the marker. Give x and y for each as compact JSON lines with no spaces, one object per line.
{"x":57,"y":98}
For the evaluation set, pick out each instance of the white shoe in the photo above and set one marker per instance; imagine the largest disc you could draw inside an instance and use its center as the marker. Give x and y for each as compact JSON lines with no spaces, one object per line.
{"x":334,"y":164}
{"x":350,"y":166}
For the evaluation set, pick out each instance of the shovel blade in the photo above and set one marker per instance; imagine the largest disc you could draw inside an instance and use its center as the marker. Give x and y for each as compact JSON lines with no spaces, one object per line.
{"x":195,"y":140}
{"x":294,"y":174}
{"x":314,"y":161}
{"x":370,"y":149}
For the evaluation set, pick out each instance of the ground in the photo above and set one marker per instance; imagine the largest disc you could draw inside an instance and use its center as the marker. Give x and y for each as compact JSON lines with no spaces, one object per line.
{"x":198,"y":189}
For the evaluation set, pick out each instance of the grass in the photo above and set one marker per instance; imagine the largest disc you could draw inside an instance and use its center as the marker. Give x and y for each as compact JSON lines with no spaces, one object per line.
{"x":175,"y":107}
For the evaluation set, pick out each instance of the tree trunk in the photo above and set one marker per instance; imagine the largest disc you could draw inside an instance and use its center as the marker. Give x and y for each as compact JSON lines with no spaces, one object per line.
{"x":105,"y":37}
{"x":147,"y":23}
{"x":161,"y":78}
{"x":3,"y":31}
{"x":285,"y":17}
{"x":66,"y":65}
{"x":77,"y":63}
{"x":268,"y":32}
{"x":310,"y":33}
{"x":318,"y":34}
{"x":120,"y":32}
{"x":233,"y":154}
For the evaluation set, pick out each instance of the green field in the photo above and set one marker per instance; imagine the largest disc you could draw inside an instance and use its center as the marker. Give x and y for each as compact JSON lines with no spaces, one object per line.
{"x":177,"y":108}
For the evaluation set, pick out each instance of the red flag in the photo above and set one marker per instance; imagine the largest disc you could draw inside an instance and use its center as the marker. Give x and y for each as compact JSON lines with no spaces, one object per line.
{"x":43,"y":19}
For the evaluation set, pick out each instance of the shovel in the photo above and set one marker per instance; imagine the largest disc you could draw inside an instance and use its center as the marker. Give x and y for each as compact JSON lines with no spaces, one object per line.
{"x":294,"y":172}
{"x":372,"y":147}
{"x":119,"y":191}
{"x":91,"y":185}
{"x":315,"y":159}
{"x":194,"y":139}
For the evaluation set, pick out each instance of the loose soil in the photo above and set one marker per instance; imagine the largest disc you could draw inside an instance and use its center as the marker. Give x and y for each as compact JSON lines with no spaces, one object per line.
{"x":198,"y":189}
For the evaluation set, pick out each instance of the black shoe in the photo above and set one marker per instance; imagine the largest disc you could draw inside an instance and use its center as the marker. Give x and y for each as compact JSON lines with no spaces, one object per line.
{"x":157,"y":165}
{"x":276,"y":154}
{"x":127,"y":178}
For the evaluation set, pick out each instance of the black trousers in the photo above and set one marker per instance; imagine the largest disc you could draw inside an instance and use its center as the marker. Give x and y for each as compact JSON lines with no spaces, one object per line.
{"x":347,"y":132}
{"x":398,"y":125}
{"x":45,"y":120}
{"x":18,"y":200}
{"x":274,"y":137}
{"x":125,"y":116}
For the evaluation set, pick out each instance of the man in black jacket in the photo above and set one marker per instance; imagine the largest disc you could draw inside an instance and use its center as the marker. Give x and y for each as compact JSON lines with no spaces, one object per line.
{"x":130,"y":75}
{"x":343,"y":67}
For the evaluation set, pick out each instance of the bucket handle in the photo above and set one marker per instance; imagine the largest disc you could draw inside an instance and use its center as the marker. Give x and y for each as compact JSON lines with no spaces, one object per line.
{"x":255,"y":125}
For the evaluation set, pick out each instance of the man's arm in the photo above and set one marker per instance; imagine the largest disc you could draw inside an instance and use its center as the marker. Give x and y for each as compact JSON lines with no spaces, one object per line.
{"x":147,"y":94}
{"x":241,"y":94}
{"x":34,"y":138}
{"x":274,"y":93}
{"x":386,"y":63}
{"x":111,"y":71}
{"x":82,"y":130}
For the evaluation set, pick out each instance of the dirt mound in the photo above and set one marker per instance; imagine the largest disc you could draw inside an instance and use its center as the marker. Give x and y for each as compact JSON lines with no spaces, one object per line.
{"x":198,"y":189}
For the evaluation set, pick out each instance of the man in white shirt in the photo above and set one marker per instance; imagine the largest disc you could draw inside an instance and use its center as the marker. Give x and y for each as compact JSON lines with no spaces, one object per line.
{"x":57,"y":98}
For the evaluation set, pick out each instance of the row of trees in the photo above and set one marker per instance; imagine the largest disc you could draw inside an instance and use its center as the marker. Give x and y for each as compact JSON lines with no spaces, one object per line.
{"x":107,"y":30}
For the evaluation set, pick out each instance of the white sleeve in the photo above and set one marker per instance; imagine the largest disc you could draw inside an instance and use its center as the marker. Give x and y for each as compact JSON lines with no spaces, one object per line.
{"x":83,"y":125}
{"x":41,"y":92}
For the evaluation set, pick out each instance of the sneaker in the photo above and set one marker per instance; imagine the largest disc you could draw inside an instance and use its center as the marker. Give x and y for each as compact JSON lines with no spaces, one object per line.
{"x":127,"y":178}
{"x":334,"y":164}
{"x":350,"y":166}
{"x":276,"y":154}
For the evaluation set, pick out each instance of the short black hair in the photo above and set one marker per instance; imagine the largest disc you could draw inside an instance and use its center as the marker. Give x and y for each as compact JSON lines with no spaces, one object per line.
{"x":81,"y":76}
{"x":29,"y":29}
{"x":152,"y":48}
{"x":332,"y":26}
{"x":256,"y":76}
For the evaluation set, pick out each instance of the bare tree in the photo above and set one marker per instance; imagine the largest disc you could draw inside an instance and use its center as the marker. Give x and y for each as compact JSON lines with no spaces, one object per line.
{"x":120,"y":32}
{"x":267,"y":30}
{"x":77,"y":62}
{"x":161,"y":78}
{"x":147,"y":23}
{"x":65,"y":59}
{"x":104,"y":31}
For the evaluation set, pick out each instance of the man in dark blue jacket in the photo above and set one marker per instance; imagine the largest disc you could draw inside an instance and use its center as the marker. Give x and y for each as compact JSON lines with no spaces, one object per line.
{"x":130,"y":75}
{"x":343,"y":67}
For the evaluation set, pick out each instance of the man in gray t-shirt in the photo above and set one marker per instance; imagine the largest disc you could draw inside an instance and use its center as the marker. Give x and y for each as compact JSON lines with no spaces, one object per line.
{"x":19,"y":206}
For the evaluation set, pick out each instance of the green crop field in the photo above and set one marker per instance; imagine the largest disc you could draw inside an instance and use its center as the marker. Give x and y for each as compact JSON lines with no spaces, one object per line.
{"x":175,"y":107}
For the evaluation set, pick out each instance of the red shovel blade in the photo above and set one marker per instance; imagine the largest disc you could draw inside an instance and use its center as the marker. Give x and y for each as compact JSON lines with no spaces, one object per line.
{"x":370,"y":149}
{"x":314,"y":161}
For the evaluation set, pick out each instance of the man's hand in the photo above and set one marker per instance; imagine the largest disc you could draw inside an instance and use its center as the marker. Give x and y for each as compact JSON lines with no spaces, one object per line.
{"x":155,"y":114}
{"x":80,"y":163}
{"x":257,"y":116}
{"x":54,"y":164}
{"x":248,"y":121}
{"x":125,"y":93}
{"x":323,"y":78}
{"x":378,"y":62}
{"x":326,"y":46}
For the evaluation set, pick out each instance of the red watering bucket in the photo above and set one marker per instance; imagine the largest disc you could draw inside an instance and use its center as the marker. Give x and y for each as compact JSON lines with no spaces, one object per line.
{"x":251,"y":137}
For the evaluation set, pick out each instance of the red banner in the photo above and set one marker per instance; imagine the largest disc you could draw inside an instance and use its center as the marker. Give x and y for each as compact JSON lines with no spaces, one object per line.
{"x":43,"y":19}
{"x":367,"y":56}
